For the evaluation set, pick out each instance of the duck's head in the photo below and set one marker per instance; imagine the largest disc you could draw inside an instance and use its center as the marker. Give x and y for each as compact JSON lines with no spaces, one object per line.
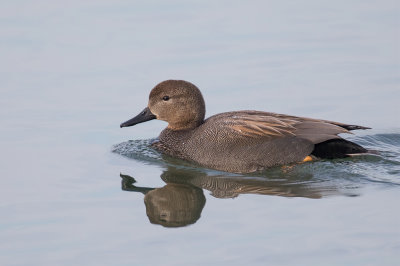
{"x":177,"y":102}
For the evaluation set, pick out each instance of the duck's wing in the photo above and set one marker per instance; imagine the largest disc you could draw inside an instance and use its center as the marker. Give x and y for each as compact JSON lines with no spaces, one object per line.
{"x":255,"y":124}
{"x":297,"y":118}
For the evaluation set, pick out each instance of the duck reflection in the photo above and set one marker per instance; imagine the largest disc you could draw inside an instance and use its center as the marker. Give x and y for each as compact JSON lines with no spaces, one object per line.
{"x":181,"y":201}
{"x":173,"y":205}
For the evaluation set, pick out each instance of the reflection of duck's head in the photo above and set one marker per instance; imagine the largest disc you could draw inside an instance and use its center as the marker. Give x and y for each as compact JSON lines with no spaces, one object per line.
{"x":174,"y":205}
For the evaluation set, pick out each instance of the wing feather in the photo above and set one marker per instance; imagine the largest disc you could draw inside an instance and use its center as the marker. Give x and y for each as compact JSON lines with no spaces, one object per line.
{"x":255,"y":124}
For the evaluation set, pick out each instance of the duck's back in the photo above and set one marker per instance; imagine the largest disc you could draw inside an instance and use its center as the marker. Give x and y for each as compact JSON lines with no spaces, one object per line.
{"x":248,"y":141}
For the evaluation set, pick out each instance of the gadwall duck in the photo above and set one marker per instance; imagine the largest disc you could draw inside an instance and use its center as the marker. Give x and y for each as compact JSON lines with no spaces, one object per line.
{"x":240,"y":141}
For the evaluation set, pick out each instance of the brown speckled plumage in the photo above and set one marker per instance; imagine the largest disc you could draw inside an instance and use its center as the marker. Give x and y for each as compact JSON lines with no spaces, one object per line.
{"x":241,"y":141}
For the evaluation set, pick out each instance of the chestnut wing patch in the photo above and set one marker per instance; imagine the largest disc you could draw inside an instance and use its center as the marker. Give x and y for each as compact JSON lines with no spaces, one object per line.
{"x":254,"y":124}
{"x":250,"y":125}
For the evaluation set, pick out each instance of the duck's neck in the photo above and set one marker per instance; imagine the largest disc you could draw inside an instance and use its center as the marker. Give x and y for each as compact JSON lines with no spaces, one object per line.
{"x":174,"y":137}
{"x":173,"y":142}
{"x":186,"y":126}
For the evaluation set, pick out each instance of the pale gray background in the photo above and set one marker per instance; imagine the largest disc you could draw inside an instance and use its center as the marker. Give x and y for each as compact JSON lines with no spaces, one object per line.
{"x":71,"y":71}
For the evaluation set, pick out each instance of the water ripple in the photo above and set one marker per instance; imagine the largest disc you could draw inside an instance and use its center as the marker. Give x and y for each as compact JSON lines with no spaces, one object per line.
{"x":327,"y":175}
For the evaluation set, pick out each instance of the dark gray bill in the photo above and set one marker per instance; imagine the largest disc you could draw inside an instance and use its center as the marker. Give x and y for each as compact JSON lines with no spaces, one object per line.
{"x":144,"y":116}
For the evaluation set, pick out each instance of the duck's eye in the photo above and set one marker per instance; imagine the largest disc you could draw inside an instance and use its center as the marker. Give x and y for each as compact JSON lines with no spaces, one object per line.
{"x":165,"y":98}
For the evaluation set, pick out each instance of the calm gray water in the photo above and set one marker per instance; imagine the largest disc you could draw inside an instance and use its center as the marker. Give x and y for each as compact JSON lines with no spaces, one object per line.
{"x":77,"y":190}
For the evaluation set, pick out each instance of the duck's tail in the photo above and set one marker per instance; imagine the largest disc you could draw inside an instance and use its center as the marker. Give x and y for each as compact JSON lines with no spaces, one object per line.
{"x":338,"y":148}
{"x":352,"y":127}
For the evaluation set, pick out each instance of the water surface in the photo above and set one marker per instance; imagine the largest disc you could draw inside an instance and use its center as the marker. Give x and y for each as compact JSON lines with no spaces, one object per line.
{"x":78,"y":190}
